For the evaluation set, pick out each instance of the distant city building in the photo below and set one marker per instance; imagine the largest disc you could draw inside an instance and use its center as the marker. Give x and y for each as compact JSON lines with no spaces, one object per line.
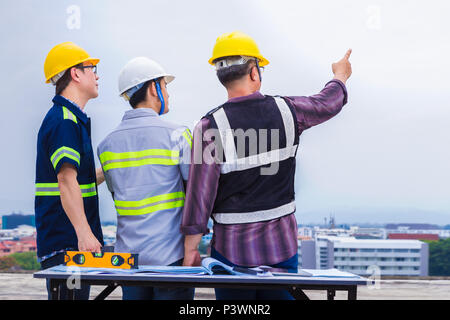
{"x":306,"y":232}
{"x":418,"y":228}
{"x":12,"y":221}
{"x":392,"y":257}
{"x":368,"y":233}
{"x":17,"y":233}
{"x":411,"y":226}
{"x":4,"y":250}
{"x":414,"y":236}
{"x":8,"y":247}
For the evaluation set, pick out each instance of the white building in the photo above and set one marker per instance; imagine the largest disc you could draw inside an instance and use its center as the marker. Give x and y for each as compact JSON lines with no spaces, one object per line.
{"x":109,"y":234}
{"x":17,"y":233}
{"x":392,"y":257}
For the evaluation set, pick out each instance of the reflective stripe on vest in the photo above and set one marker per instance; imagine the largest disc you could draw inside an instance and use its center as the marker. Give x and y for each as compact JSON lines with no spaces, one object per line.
{"x":112,"y":160}
{"x":233,"y":163}
{"x":52,"y":189}
{"x":64,"y":152}
{"x":255,"y":216}
{"x":149,"y":205}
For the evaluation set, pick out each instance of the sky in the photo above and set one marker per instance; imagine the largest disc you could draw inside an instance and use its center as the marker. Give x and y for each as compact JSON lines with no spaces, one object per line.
{"x":384,"y":158}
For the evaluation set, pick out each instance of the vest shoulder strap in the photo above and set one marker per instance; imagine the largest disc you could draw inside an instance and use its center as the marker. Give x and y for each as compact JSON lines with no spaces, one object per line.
{"x":213,"y":110}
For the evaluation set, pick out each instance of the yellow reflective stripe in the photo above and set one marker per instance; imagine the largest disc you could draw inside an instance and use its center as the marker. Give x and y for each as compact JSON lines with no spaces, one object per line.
{"x":52,"y":189}
{"x":112,"y":160}
{"x":64,"y":152}
{"x":87,"y":186}
{"x":143,"y":202}
{"x":127,"y":164}
{"x":47,"y":193}
{"x":47,"y":189}
{"x":151,"y":209}
{"x":158,"y":207}
{"x":66,"y":155}
{"x":89,"y":194}
{"x":188,"y":137}
{"x":46,"y":185}
{"x":88,"y":190}
{"x":152,"y":204}
{"x":67,"y":114}
{"x":108,"y":156}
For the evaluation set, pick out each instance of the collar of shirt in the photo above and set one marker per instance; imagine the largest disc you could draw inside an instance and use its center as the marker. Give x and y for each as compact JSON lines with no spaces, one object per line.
{"x":139,"y":113}
{"x":72,"y":106}
{"x":255,"y":95}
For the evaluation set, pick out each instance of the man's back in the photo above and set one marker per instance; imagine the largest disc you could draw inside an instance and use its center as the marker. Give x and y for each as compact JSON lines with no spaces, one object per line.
{"x":145,"y":161}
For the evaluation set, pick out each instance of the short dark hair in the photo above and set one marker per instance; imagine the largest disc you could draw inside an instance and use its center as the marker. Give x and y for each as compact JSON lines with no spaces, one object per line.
{"x":236,"y":72}
{"x":64,"y":81}
{"x":141,"y":95}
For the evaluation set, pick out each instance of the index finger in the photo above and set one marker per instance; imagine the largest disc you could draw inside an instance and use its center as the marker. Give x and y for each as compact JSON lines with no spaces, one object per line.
{"x":347,"y":54}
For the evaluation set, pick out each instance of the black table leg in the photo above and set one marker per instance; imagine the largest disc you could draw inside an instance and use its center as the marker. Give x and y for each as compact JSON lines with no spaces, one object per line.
{"x":55,"y":290}
{"x":330,"y":294}
{"x":297,"y":293}
{"x":352,"y":293}
{"x":107,"y":291}
{"x":70,"y":294}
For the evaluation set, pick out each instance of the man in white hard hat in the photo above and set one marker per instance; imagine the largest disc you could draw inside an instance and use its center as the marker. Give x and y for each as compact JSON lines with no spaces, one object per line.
{"x":145,"y":161}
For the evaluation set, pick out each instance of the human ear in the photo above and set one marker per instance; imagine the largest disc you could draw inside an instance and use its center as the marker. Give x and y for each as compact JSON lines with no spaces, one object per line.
{"x":254,"y":74}
{"x":152,"y":89}
{"x":74,"y":74}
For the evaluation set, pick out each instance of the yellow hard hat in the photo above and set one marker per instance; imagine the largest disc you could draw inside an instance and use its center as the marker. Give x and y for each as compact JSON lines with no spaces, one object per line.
{"x":236,"y":44}
{"x":63,"y":56}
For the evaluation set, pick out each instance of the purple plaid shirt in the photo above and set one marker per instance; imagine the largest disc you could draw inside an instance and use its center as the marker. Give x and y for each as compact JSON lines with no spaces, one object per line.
{"x":260,"y":243}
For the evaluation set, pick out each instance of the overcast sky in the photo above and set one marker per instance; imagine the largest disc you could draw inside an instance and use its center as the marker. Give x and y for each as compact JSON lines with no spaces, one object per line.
{"x":384,"y":158}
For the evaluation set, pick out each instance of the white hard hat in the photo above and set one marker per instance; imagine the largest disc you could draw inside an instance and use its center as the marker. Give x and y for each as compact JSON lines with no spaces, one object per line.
{"x":138,"y":71}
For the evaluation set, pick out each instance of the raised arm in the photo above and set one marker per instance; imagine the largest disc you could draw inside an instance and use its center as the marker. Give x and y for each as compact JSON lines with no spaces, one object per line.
{"x":314,"y":110}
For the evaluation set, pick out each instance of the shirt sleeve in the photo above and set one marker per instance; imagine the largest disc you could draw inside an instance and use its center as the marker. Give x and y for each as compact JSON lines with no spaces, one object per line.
{"x":203,"y":181}
{"x":65,"y":145}
{"x":105,"y":174}
{"x":314,"y":110}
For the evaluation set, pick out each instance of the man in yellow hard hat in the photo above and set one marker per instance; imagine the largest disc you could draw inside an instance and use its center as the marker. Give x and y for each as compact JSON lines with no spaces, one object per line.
{"x":66,"y":201}
{"x":248,"y":188}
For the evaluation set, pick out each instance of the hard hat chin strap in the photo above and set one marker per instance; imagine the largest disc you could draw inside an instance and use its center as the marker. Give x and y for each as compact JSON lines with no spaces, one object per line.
{"x":161,"y":98}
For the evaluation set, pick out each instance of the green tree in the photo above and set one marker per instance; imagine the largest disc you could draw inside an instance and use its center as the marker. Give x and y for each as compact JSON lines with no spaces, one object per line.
{"x":439,"y":263}
{"x":7,"y":262}
{"x":26,"y":260}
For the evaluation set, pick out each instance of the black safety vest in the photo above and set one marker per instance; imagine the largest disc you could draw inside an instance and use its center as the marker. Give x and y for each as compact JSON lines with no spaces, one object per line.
{"x":258,"y":141}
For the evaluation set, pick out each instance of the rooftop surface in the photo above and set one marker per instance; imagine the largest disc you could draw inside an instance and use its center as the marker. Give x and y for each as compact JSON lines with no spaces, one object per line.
{"x":23,"y":286}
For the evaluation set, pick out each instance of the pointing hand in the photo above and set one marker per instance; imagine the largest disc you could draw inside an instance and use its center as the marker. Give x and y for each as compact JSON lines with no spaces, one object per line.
{"x":343,"y":69}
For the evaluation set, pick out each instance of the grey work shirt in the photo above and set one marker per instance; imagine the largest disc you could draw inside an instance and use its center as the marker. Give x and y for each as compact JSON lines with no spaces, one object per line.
{"x":145,"y":160}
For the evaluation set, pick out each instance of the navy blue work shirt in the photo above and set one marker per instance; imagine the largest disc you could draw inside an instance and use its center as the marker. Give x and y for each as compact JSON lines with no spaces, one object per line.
{"x":64,"y":137}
